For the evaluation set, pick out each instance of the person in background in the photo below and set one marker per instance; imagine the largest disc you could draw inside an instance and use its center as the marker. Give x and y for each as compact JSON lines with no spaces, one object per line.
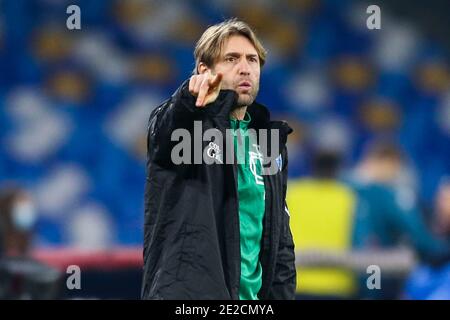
{"x":431,"y":281}
{"x":17,"y":219}
{"x":322,"y":209}
{"x":21,"y":276}
{"x":385,"y":217}
{"x":442,"y":207}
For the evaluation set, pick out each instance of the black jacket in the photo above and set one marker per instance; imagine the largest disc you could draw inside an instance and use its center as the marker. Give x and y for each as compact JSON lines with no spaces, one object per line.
{"x":191,"y":236}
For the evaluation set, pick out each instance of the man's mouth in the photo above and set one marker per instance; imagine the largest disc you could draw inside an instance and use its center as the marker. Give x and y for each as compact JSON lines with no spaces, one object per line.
{"x":245,"y":85}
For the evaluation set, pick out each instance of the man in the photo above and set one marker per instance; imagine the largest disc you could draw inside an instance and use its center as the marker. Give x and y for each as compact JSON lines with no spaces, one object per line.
{"x":220,"y":230}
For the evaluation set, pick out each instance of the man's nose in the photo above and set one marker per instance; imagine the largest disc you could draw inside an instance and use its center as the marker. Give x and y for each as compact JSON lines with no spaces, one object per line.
{"x":244,"y":67}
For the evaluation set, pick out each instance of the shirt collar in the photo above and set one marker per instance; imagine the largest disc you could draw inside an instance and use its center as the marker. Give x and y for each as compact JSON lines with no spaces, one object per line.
{"x":243,"y":124}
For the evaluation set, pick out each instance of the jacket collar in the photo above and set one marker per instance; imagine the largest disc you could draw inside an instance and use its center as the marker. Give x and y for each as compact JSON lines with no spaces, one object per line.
{"x":259,"y":114}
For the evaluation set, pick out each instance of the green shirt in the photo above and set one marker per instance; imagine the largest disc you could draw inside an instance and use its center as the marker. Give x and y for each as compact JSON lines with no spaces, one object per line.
{"x":251,"y":194}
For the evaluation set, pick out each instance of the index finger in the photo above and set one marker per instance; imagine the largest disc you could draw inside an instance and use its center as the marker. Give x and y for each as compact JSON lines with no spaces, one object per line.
{"x":216,"y":80}
{"x":202,"y":94}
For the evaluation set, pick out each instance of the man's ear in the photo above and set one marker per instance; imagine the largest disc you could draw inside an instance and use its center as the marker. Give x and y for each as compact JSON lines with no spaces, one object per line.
{"x":202,"y":68}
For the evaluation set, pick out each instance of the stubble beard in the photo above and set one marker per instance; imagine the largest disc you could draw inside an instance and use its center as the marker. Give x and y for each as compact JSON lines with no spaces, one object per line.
{"x":244,"y":100}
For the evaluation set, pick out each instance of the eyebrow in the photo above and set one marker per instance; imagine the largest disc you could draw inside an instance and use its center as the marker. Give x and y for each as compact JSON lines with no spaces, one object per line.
{"x":237,"y":54}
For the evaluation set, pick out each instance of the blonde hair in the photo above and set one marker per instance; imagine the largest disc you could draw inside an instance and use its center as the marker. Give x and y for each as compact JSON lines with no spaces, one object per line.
{"x":210,"y":44}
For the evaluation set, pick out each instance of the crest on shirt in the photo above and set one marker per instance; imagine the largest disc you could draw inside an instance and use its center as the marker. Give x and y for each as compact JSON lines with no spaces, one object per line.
{"x":255,"y":156}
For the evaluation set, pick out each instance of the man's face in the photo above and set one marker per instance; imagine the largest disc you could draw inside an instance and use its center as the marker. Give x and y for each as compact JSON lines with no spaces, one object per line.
{"x":383,"y":170}
{"x":240,"y":67}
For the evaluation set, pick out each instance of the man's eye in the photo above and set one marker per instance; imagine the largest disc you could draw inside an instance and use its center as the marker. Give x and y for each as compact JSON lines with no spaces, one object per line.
{"x":230,"y":59}
{"x":253,"y":59}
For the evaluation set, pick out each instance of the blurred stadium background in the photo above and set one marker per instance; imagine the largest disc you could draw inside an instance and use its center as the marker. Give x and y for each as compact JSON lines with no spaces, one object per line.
{"x":74,"y":106}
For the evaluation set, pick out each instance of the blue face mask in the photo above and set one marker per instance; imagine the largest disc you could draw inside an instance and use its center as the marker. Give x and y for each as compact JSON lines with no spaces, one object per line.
{"x":24,"y":216}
